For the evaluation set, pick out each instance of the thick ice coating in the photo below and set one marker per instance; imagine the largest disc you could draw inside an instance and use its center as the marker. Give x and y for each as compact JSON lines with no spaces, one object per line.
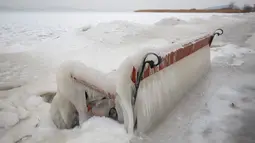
{"x":163,"y":86}
{"x":78,"y":85}
{"x":159,"y":93}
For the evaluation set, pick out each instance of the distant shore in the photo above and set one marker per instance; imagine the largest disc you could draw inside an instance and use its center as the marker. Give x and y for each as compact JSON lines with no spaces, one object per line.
{"x":193,"y":10}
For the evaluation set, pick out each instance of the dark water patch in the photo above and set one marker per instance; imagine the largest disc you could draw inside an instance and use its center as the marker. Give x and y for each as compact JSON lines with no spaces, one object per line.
{"x":48,"y":96}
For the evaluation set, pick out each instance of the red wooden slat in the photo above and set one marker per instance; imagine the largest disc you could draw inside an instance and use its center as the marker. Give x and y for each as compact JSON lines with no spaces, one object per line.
{"x":186,"y":51}
{"x":89,"y":107}
{"x":166,"y":61}
{"x":203,"y":43}
{"x":181,"y":53}
{"x":197,"y":45}
{"x":174,"y":57}
{"x":190,"y":49}
{"x":178,"y":55}
{"x":146,"y":72}
{"x":171,"y":60}
{"x":133,"y":76}
{"x":207,"y":39}
{"x":162,"y":65}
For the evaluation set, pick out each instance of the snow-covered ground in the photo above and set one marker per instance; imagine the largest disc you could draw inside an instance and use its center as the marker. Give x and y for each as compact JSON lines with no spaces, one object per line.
{"x":32,"y":45}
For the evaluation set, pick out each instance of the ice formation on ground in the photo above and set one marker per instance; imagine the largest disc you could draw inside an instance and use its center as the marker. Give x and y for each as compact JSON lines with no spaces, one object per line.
{"x":229,"y":54}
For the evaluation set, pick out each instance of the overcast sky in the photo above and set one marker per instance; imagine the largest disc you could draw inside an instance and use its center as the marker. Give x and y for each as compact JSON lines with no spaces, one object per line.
{"x":118,"y":5}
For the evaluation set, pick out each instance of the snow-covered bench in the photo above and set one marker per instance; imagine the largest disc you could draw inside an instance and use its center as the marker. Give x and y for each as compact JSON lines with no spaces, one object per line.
{"x":141,"y":93}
